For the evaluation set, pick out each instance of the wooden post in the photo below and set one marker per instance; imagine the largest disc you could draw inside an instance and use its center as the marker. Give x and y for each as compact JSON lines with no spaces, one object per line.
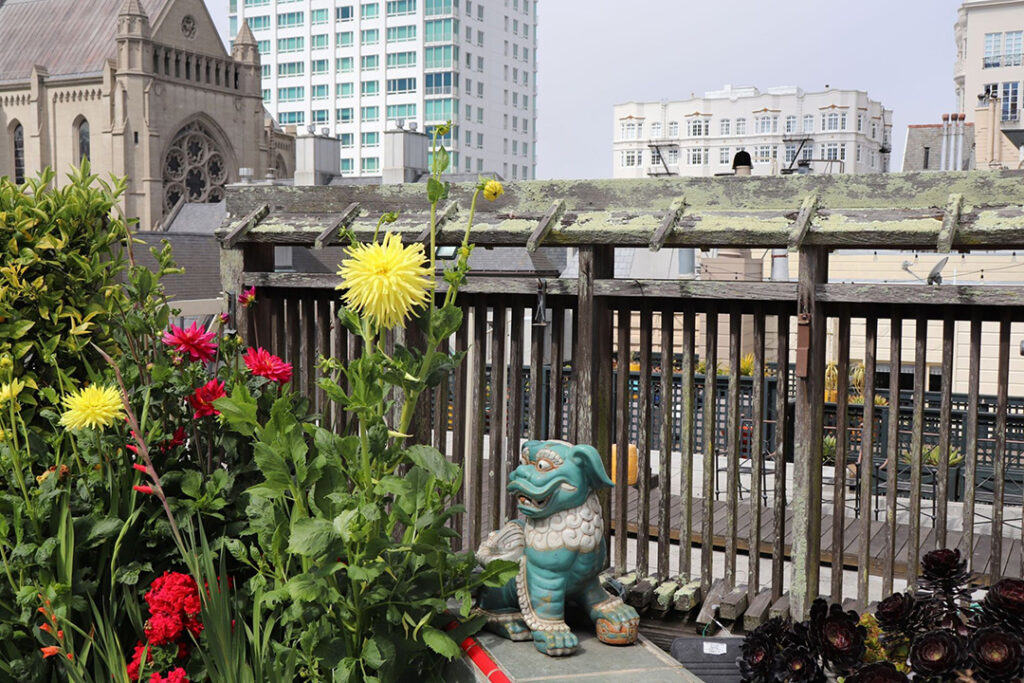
{"x":234,"y":263}
{"x":592,"y":365}
{"x":807,"y":433}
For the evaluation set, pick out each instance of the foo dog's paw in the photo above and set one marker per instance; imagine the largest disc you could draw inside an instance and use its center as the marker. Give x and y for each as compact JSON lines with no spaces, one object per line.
{"x":555,"y":643}
{"x":513,"y":628}
{"x":616,"y":622}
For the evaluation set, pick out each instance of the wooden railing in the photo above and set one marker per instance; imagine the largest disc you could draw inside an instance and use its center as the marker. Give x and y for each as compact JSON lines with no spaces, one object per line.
{"x":772,"y":508}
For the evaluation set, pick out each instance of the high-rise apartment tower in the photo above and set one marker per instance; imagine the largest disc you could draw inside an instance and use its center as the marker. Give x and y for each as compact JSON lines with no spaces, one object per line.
{"x":358,"y":68}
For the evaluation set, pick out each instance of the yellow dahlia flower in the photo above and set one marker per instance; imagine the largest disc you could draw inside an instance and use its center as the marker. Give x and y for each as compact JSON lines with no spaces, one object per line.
{"x":9,"y":391}
{"x":493,"y":190}
{"x":92,"y":407}
{"x":385,"y":281}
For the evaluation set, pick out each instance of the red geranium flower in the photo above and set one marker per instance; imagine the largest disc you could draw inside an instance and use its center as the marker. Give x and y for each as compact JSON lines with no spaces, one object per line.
{"x":202,"y":400}
{"x":176,"y":676}
{"x":173,"y":593}
{"x":164,"y":627}
{"x":195,"y":341}
{"x":264,"y":364}
{"x":136,"y":663}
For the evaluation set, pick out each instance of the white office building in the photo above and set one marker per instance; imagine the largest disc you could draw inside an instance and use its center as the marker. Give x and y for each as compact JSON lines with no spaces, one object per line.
{"x":359,"y":68}
{"x":784,"y":130}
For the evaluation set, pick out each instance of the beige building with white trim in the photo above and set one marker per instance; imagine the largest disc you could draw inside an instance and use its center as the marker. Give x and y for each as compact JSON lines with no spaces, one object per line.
{"x":144,"y":90}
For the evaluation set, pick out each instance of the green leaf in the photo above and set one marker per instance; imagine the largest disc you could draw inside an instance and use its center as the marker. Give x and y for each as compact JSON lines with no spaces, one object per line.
{"x":311,"y":537}
{"x":444,"y":322}
{"x":304,"y":588}
{"x":20,"y":328}
{"x":441,"y":160}
{"x":439,"y":642}
{"x":239,"y":411}
{"x":432,"y":461}
{"x":191,"y":484}
{"x":435,"y":190}
{"x":372,"y":654}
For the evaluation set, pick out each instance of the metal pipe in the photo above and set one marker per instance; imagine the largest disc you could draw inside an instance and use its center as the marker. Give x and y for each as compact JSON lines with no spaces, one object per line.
{"x":960,"y":142}
{"x":945,"y":142}
{"x":780,"y":265}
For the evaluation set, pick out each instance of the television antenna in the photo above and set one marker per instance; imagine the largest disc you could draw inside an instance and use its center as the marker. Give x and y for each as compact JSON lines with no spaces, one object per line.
{"x":934,"y":276}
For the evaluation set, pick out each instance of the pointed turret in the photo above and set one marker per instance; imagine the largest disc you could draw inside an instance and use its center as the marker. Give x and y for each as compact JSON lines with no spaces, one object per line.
{"x":132,"y":20}
{"x":245,"y":48}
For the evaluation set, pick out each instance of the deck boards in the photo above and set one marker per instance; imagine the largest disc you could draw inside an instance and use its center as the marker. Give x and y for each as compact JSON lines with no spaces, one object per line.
{"x":1012,"y":551}
{"x":851,"y":536}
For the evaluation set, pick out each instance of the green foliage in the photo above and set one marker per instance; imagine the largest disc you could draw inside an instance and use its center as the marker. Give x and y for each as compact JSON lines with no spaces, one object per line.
{"x":58,"y":289}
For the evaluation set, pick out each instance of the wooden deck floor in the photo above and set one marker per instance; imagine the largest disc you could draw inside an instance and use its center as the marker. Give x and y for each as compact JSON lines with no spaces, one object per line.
{"x":982,"y":556}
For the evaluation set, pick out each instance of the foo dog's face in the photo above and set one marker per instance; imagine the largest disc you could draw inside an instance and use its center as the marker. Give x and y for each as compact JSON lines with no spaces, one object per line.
{"x":555,"y":476}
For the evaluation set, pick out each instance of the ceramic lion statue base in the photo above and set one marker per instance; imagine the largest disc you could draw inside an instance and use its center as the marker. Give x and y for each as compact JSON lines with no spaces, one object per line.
{"x":560,"y":549}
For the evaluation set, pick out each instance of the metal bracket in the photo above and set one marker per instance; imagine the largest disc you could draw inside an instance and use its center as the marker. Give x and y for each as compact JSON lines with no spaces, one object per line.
{"x":546,"y":224}
{"x":803,"y":222}
{"x":803,"y":344}
{"x":668,"y":223}
{"x":950,"y":222}
{"x":246,"y":224}
{"x":344,"y":220}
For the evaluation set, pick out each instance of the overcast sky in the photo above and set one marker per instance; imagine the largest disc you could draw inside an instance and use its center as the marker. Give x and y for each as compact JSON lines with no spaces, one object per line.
{"x":593,"y":54}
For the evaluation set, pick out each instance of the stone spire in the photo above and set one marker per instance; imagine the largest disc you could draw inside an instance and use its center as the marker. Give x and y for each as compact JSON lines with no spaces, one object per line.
{"x":132,"y":20}
{"x":245,"y":49}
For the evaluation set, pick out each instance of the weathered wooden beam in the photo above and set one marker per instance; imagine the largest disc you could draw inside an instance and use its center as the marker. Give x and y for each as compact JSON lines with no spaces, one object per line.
{"x":803,"y":222}
{"x":447,"y":215}
{"x":687,"y":597}
{"x":641,"y":594}
{"x":545,"y":225}
{"x":664,"y":597}
{"x":734,"y":604}
{"x":757,"y":610}
{"x":942,"y":295}
{"x":250,"y":221}
{"x":779,"y":608}
{"x":950,"y":222}
{"x":668,"y":223}
{"x":711,"y":603}
{"x":330,"y":232}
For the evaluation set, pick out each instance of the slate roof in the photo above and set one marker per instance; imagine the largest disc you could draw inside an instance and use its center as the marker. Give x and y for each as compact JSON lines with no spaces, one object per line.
{"x":68,"y":37}
{"x":198,"y":218}
{"x":199,"y":255}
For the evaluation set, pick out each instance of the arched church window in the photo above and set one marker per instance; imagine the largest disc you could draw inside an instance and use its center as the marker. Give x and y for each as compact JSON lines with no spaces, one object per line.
{"x":19,"y":154}
{"x":84,"y":149}
{"x":194,"y":168}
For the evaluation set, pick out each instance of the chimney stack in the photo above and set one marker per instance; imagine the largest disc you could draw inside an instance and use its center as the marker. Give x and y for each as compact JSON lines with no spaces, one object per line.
{"x":405,"y":155}
{"x":943,"y":161}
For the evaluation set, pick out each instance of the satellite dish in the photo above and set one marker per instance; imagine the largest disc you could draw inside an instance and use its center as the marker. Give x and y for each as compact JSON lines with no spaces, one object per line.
{"x":935,"y":276}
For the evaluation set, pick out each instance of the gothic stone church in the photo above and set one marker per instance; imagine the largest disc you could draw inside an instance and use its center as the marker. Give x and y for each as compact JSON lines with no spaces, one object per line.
{"x":144,"y":89}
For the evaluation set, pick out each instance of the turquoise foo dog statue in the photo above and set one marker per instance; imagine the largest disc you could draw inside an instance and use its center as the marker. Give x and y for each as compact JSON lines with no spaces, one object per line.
{"x":560,"y":549}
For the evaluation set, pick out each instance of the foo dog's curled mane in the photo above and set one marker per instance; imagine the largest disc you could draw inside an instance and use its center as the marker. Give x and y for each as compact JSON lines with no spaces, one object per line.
{"x":579,"y":529}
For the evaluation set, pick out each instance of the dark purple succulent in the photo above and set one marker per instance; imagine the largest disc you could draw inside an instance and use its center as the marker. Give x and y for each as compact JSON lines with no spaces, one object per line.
{"x":895,"y":613}
{"x":757,"y":661}
{"x":996,"y":654}
{"x":944,"y":574}
{"x":837,"y":636}
{"x":1004,"y":604}
{"x":796,"y":664}
{"x":936,"y":655}
{"x":879,"y":672}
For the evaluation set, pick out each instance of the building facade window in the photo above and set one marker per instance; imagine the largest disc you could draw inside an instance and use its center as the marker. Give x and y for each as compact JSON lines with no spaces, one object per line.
{"x":723,"y":126}
{"x":401,"y":34}
{"x":370,"y":113}
{"x":292,"y":94}
{"x":741,"y":126}
{"x":369,"y":11}
{"x":318,"y":16}
{"x":656,"y":129}
{"x":860,"y":123}
{"x":808,"y":123}
{"x":369,"y":36}
{"x":345,"y":90}
{"x":18,"y":143}
{"x":1011,"y":101}
{"x":400,"y":59}
{"x":401,"y":85}
{"x":673,"y":129}
{"x":369,"y":62}
{"x":397,"y":8}
{"x":346,"y":64}
{"x":808,"y":153}
{"x":763,"y":154}
{"x":697,"y":127}
{"x":290,"y":19}
{"x":790,"y":124}
{"x":290,"y":44}
{"x":672,"y":156}
{"x":631,"y":157}
{"x":698,"y":156}
{"x":401,"y":111}
{"x":370,"y":139}
{"x":830,"y":121}
{"x":318,"y":66}
{"x":723,"y":155}
{"x":194,"y":168}
{"x":370,"y":164}
{"x":790,"y":153}
{"x":84,"y":145}
{"x":289,"y":118}
{"x":346,"y":13}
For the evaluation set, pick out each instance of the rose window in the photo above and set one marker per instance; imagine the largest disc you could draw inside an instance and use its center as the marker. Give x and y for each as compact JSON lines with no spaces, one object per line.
{"x":194,"y":168}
